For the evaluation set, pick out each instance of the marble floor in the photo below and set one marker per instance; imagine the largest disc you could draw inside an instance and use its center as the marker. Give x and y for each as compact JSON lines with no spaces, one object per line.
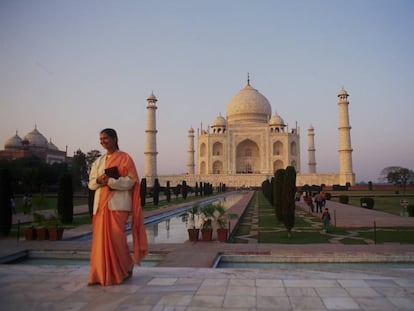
{"x":24,"y":287}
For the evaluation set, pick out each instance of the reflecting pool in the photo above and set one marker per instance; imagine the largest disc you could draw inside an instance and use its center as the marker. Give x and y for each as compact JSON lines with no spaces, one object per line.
{"x":173,"y":229}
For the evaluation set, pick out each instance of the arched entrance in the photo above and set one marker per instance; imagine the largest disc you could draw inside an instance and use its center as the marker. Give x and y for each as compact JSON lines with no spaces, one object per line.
{"x":247,"y":157}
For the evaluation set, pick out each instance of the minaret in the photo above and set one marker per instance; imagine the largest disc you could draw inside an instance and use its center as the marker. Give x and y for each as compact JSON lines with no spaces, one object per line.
{"x":346,"y":174}
{"x":150,"y":171}
{"x":311,"y":150}
{"x":190,"y":152}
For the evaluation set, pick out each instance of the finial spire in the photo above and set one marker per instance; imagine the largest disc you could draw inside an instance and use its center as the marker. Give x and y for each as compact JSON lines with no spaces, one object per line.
{"x":248,"y":79}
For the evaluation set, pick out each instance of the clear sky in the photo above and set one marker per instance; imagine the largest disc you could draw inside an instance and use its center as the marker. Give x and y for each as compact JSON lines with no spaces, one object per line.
{"x":75,"y":67}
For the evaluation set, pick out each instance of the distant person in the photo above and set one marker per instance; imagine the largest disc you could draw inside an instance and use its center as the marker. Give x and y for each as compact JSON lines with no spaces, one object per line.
{"x":115,"y":180}
{"x":27,"y":203}
{"x":310,"y":202}
{"x":323,"y":196}
{"x":318,"y":202}
{"x":326,"y":219}
{"x":12,"y":205}
{"x":297,"y":196}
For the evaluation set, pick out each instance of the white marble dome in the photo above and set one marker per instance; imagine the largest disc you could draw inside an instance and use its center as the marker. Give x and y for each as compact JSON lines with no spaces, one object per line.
{"x":219,"y":121}
{"x":276,"y":120}
{"x":248,"y":105}
{"x":52,"y":146}
{"x":35,"y":138}
{"x":13,"y":142}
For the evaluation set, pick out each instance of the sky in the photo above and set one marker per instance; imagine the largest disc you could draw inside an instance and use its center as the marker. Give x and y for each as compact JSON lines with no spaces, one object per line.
{"x":72,"y":68}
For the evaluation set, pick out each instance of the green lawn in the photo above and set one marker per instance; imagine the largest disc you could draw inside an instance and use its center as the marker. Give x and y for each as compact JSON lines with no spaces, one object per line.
{"x":386,"y":201}
{"x":308,"y":229}
{"x":402,"y":236}
{"x":296,"y":238}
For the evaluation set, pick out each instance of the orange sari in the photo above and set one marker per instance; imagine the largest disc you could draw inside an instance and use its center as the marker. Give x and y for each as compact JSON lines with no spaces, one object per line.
{"x":111,"y":261}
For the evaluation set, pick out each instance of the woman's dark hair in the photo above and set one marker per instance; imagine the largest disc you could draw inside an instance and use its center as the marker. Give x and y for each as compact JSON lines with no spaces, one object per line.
{"x":111,"y":133}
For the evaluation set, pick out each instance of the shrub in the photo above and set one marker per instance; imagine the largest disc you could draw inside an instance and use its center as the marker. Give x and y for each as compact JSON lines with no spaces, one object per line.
{"x":267,"y":190}
{"x":65,"y":198}
{"x":143,"y":191}
{"x":328,"y":195}
{"x":156,"y":192}
{"x":168,"y":191}
{"x":277,"y":193}
{"x":367,"y":202}
{"x":288,"y":198}
{"x":184,"y":190}
{"x":344,"y":199}
{"x":5,"y":196}
{"x":410,"y":210}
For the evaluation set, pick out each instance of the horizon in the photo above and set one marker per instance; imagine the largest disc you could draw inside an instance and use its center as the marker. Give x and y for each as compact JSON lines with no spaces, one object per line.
{"x":74,"y":68}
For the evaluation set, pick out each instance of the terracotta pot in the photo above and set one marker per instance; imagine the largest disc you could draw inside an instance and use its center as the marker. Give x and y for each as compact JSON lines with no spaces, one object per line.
{"x":55,"y":233}
{"x":206,"y":234}
{"x":41,"y":234}
{"x":222,"y":234}
{"x":30,"y":234}
{"x":193,"y":234}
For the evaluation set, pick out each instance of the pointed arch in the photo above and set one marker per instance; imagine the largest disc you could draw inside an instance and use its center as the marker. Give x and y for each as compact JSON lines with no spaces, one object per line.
{"x":217,"y":149}
{"x":278,"y":148}
{"x":218,"y":167}
{"x":247,"y":157}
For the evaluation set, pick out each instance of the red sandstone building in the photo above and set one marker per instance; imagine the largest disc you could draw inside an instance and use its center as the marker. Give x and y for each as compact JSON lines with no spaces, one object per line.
{"x":34,"y":144}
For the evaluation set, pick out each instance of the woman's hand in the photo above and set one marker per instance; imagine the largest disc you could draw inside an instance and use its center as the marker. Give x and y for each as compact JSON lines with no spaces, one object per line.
{"x":102,"y":180}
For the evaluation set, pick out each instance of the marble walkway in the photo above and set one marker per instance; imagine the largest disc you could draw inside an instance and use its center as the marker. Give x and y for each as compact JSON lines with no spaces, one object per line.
{"x":184,"y":280}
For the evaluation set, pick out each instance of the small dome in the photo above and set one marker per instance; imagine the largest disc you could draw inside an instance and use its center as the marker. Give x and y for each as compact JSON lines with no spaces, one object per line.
{"x":52,"y":146}
{"x":219,"y":121}
{"x":13,"y":142}
{"x":277,"y":120}
{"x":35,"y":138}
{"x":248,"y":105}
{"x":191,"y":130}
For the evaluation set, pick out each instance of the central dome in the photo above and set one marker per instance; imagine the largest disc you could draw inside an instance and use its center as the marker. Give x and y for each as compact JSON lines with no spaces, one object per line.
{"x":248,"y":105}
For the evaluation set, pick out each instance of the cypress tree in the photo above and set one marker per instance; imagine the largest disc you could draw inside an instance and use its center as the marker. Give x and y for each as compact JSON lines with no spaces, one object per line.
{"x":91,"y":199}
{"x":65,"y":198}
{"x":156,"y":192}
{"x":277,"y":184}
{"x":288,"y":198}
{"x":5,"y":197}
{"x":168,"y":191}
{"x":143,"y":192}
{"x":185,"y":190}
{"x":267,"y":190}
{"x":196,"y":189}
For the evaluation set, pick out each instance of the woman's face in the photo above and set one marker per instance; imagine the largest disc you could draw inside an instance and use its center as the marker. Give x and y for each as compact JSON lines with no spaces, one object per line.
{"x":107,"y":142}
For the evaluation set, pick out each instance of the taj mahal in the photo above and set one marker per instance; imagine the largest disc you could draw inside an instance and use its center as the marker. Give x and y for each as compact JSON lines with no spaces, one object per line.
{"x":248,"y":145}
{"x":241,"y":149}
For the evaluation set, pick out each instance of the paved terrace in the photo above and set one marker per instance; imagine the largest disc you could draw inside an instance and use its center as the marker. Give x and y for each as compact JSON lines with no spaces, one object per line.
{"x":185,"y":281}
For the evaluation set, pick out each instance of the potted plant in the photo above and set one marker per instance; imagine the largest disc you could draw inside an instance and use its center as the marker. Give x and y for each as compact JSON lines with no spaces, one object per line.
{"x":222,"y":221}
{"x":206,"y":219}
{"x":54,"y":228}
{"x":193,"y":232}
{"x":30,"y":233}
{"x":40,"y":221}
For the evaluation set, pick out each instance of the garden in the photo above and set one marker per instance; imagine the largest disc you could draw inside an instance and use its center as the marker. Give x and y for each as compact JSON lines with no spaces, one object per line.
{"x":259,"y":223}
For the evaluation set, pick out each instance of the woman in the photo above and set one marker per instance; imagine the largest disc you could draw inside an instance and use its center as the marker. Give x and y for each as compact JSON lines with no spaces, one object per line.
{"x":116,"y":183}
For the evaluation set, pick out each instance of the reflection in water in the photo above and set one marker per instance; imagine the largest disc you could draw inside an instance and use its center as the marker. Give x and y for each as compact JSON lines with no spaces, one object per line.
{"x":174,"y":229}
